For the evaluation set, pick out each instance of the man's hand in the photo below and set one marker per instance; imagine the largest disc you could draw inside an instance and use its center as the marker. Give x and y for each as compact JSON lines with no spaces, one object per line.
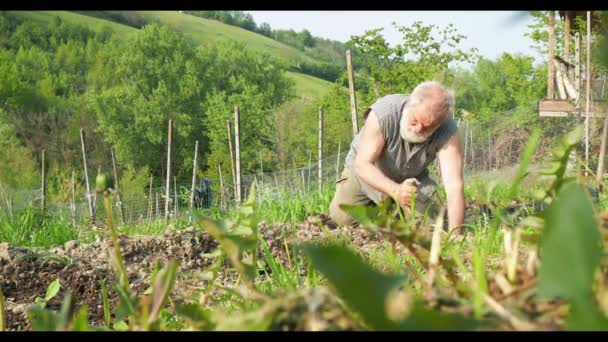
{"x":403,"y":192}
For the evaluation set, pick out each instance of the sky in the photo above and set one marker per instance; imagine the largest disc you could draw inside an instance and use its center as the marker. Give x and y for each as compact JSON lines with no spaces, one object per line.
{"x":491,"y":32}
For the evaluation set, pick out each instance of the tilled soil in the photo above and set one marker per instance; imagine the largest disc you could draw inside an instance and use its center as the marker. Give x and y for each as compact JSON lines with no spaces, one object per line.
{"x":25,"y":273}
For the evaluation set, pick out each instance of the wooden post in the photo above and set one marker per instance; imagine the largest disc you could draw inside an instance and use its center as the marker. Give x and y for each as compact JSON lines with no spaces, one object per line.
{"x":95,"y":193}
{"x":175,"y":197}
{"x":86,"y":173}
{"x":150,"y":202}
{"x":73,"y":206}
{"x":303,"y":180}
{"x":222,"y":199}
{"x":551,"y":67}
{"x":231,"y":157}
{"x":489,"y":152}
{"x":168,"y":189}
{"x":320,"y":164}
{"x":353,"y":98}
{"x":43,"y":182}
{"x":117,"y":187}
{"x":338,"y":162}
{"x":194,"y":169}
{"x":237,"y":150}
{"x":157,"y":206}
{"x":259,"y":184}
{"x":577,"y":68}
{"x":567,"y":43}
{"x":588,"y":69}
{"x":309,"y":170}
{"x":600,"y":165}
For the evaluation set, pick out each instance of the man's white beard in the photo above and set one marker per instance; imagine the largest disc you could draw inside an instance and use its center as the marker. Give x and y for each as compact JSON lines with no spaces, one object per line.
{"x":408,"y":134}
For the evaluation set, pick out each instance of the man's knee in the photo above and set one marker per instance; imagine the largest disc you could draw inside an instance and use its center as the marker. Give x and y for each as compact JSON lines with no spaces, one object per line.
{"x":339,"y":216}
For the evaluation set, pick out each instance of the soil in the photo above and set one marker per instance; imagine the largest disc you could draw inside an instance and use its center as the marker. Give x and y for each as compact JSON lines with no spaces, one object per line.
{"x":25,"y":273}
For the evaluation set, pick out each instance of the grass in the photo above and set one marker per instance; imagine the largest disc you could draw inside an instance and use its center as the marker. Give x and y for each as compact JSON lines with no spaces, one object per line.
{"x":33,"y":228}
{"x":46,"y":17}
{"x":309,"y":86}
{"x":288,"y":206}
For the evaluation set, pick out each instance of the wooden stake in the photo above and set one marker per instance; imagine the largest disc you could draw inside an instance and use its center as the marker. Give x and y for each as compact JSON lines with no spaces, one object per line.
{"x":259,"y":184}
{"x":175,"y":197}
{"x":567,"y":41}
{"x":353,"y":98}
{"x":43,"y":182}
{"x":588,"y":69}
{"x":320,"y":164}
{"x":600,"y":165}
{"x":150,"y":201}
{"x":577,"y":69}
{"x":309,"y":170}
{"x":551,"y":71}
{"x":86,"y":174}
{"x":73,"y":206}
{"x":95,"y":193}
{"x":168,"y":189}
{"x":237,"y":147}
{"x":231,"y":157}
{"x":117,"y":187}
{"x":157,"y":206}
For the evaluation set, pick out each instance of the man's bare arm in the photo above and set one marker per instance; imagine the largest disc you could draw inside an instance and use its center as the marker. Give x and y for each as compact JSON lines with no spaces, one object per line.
{"x":451,"y":163}
{"x":371,"y":148}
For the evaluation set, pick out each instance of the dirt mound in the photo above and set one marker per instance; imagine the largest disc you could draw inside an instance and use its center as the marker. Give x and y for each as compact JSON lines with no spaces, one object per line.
{"x":26,"y":273}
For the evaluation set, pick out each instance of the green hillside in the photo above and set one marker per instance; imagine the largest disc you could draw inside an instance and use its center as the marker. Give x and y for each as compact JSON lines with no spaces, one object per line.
{"x":202,"y":31}
{"x":206,"y":31}
{"x":45,"y":17}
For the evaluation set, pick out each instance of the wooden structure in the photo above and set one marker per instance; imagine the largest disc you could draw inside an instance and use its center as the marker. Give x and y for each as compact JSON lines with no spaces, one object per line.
{"x":569,"y":75}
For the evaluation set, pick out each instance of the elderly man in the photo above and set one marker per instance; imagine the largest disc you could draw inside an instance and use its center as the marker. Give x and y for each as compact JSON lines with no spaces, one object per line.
{"x":389,"y":157}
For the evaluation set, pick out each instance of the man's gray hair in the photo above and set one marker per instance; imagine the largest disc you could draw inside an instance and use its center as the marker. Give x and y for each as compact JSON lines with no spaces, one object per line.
{"x":441,"y":97}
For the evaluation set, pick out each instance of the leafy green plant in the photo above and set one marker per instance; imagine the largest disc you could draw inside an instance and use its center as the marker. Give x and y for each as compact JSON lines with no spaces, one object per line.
{"x":570,"y":251}
{"x":66,"y":319}
{"x":384,"y":305}
{"x":2,"y":312}
{"x":51,"y":291}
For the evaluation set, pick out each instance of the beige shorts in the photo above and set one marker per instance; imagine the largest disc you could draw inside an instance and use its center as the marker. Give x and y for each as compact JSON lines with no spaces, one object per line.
{"x":349,"y":192}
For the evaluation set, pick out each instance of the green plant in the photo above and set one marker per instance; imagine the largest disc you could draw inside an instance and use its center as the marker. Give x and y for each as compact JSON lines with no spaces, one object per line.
{"x":384,"y":305}
{"x":571,"y":257}
{"x":2,"y":312}
{"x":51,"y":292}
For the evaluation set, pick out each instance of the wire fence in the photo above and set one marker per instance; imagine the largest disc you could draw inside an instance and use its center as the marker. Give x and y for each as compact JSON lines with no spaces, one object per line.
{"x":484,"y":153}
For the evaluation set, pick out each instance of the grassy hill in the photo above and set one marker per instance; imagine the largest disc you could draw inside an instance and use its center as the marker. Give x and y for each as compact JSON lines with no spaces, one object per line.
{"x":202,"y":31}
{"x":45,"y":17}
{"x":205,"y":31}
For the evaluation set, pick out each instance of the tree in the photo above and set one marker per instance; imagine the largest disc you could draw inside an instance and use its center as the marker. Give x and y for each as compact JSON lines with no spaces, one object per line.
{"x":306,"y":38}
{"x":419,"y":57}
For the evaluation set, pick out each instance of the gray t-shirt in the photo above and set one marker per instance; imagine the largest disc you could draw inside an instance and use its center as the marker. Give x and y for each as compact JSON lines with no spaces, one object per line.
{"x":401,"y":160}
